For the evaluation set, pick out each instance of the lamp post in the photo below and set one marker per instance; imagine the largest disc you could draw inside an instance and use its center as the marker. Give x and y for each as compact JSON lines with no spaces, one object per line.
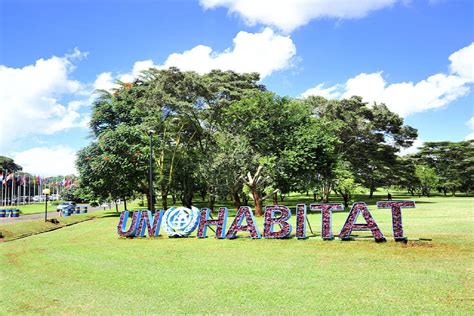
{"x":46,"y":193}
{"x":150,"y":179}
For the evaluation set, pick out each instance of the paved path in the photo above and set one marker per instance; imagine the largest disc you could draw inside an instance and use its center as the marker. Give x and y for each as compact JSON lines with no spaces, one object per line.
{"x":53,"y":214}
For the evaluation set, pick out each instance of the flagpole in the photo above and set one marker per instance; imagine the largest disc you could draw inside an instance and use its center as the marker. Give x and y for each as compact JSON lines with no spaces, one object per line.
{"x":13,"y":189}
{"x":29,"y":188}
{"x":23,"y":179}
{"x":34,"y":186}
{"x":2,"y":188}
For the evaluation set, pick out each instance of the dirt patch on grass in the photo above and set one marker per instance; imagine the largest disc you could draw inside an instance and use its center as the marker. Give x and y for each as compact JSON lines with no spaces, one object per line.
{"x":12,"y":258}
{"x":418,"y":244}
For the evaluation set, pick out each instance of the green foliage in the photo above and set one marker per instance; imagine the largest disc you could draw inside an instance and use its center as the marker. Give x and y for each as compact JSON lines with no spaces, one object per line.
{"x":427,"y":177}
{"x":345,"y":184}
{"x":223,"y":135}
{"x":9,"y":164}
{"x":72,"y":193}
{"x":453,"y":163}
{"x":114,"y":166}
{"x":368,"y":139}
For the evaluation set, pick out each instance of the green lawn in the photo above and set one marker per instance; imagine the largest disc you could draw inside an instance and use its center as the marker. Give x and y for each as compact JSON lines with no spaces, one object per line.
{"x":31,"y":208}
{"x":39,"y":207}
{"x":85,"y":268}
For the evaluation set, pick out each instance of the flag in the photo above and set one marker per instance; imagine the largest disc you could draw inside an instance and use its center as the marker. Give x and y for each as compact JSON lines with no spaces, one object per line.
{"x":23,"y":180}
{"x":4,"y":180}
{"x":39,"y":180}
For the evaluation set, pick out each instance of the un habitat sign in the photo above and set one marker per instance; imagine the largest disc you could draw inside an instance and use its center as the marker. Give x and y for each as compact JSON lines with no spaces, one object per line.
{"x":182,"y":221}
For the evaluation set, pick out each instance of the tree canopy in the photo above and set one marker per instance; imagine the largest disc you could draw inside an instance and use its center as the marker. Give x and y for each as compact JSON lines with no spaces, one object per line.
{"x":224,"y":135}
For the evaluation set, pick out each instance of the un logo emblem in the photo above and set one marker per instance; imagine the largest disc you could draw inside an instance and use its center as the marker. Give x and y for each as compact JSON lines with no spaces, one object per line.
{"x":180,"y":221}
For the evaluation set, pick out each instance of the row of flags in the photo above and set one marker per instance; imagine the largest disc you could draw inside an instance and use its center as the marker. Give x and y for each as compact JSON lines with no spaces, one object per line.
{"x":20,"y":188}
{"x":9,"y":179}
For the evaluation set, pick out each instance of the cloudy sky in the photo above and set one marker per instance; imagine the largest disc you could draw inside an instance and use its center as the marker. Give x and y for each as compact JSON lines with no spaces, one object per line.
{"x":414,"y":55}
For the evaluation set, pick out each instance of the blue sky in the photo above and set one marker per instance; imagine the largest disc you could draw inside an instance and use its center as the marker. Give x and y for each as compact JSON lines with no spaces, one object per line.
{"x":416,"y":56}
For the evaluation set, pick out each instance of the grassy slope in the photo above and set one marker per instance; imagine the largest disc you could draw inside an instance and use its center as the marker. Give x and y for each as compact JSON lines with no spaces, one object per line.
{"x":12,"y":231}
{"x":86,"y":268}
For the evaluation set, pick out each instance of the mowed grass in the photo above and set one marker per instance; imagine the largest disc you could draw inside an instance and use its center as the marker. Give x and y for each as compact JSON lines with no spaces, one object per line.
{"x":11,"y":231}
{"x":30,"y":208}
{"x":39,"y":207}
{"x":86,"y":268}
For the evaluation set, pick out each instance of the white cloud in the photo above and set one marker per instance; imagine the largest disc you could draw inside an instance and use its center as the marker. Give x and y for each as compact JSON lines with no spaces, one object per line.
{"x":47,"y":161}
{"x":462,"y":63}
{"x":31,"y":98}
{"x":406,"y":98}
{"x":104,"y":81}
{"x":413,"y":149}
{"x":470,"y":124}
{"x":333,"y":92}
{"x":288,"y":15}
{"x":469,"y":137}
{"x":263,"y":52}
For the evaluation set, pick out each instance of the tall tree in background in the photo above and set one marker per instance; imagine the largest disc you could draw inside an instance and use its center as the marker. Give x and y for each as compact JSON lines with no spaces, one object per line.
{"x":369,"y":138}
{"x":427,"y":177}
{"x":9,"y":164}
{"x":453,"y":163}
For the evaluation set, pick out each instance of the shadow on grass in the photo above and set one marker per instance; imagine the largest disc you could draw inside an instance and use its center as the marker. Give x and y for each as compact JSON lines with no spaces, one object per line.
{"x":111,"y":214}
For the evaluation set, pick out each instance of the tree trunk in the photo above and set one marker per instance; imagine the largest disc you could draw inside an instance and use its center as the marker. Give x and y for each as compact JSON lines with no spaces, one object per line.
{"x":275,"y":198}
{"x":211,"y":202}
{"x":245,"y":199}
{"x":124,"y":204}
{"x":346,"y":198}
{"x":236,"y":198}
{"x":258,"y":203}
{"x":164,"y":199}
{"x":116,"y":208}
{"x":187,"y":198}
{"x":371,"y":194}
{"x":314,"y":197}
{"x":326,"y":192}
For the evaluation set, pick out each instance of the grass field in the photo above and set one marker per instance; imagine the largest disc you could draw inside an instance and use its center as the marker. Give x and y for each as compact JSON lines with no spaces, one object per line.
{"x":85,"y":268}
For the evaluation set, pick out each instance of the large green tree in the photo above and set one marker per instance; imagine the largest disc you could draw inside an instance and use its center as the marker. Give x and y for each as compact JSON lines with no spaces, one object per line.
{"x":183,"y":109}
{"x":369,"y":138}
{"x":453,"y":163}
{"x":115,"y":165}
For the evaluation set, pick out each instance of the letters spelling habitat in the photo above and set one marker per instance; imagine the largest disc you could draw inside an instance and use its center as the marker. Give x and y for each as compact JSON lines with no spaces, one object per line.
{"x":181,"y":221}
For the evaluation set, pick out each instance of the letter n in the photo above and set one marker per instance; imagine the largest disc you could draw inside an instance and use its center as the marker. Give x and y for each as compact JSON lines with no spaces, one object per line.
{"x":122,"y":224}
{"x":326,"y":215}
{"x":397,"y":224}
{"x":220,"y":222}
{"x":271,"y":220}
{"x":150,"y":223}
{"x":251,"y":227}
{"x":350,"y":225}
